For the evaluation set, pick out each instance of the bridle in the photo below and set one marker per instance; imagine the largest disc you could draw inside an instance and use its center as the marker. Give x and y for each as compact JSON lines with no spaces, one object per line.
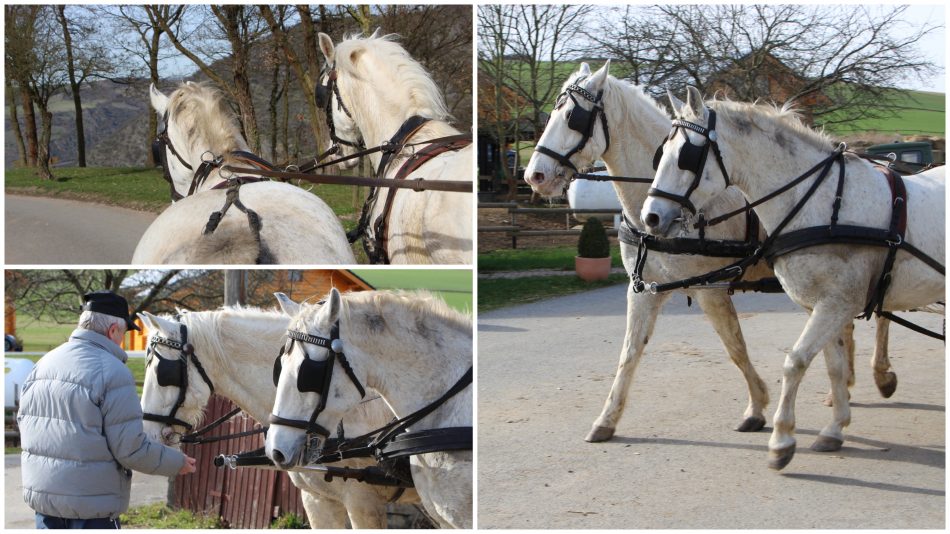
{"x":160,"y":147}
{"x":174,"y":373}
{"x":324,"y":97}
{"x":692,"y":158}
{"x":314,"y":376}
{"x":580,"y":120}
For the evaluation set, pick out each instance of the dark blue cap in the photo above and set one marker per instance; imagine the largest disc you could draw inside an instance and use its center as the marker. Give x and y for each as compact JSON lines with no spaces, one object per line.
{"x":109,"y":303}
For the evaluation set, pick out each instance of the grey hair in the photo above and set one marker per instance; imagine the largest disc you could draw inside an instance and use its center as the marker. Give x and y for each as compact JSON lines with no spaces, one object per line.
{"x":100,"y":322}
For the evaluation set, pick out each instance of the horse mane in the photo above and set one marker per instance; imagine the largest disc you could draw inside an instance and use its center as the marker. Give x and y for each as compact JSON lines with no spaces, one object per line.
{"x":768,"y":118}
{"x":399,"y":312}
{"x":403,"y":74}
{"x":629,"y":93}
{"x":204,"y":116}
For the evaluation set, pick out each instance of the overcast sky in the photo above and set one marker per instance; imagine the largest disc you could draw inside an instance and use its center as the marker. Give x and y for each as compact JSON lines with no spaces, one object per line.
{"x":934,"y":45}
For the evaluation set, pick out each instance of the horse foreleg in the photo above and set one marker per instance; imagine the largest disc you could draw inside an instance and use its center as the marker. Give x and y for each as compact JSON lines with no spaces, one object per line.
{"x":722,"y":314}
{"x":366,"y":510}
{"x":323,"y":512}
{"x":824,"y":326}
{"x":642,"y":309}
{"x":885,"y":379}
{"x":848,"y":337}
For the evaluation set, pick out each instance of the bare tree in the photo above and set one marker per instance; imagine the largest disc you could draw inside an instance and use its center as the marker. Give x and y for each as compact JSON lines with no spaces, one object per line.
{"x":241,"y":29}
{"x":494,"y":31}
{"x":19,"y":23}
{"x":141,"y":40}
{"x":544,"y":36}
{"x":840,"y":63}
{"x":15,"y":124}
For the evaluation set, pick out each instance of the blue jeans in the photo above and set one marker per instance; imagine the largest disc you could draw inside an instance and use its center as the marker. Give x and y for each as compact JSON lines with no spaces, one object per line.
{"x":48,"y":522}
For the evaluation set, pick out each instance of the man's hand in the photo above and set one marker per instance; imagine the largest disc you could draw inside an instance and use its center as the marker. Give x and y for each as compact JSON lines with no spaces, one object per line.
{"x":189,"y":466}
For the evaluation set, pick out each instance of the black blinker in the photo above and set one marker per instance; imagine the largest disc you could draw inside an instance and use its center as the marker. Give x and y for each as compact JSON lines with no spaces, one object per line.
{"x":322,"y":96}
{"x":657,"y":156}
{"x":277,"y":366}
{"x":312,"y":375}
{"x":158,"y":148}
{"x":578,"y":119}
{"x":692,"y":157}
{"x":170,"y":372}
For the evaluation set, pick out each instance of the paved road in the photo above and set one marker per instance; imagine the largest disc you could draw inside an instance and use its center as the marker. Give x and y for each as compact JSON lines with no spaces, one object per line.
{"x":545,"y":370}
{"x":48,"y":231}
{"x":146,"y":489}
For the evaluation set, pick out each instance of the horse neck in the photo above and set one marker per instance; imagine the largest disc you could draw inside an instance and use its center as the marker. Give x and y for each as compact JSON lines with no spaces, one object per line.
{"x":771,"y":160}
{"x":238,"y":354}
{"x":416,"y":371}
{"x":637,"y":127}
{"x":193,"y":153}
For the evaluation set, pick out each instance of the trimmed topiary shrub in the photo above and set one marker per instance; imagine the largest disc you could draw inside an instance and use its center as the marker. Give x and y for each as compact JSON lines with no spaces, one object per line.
{"x":593,"y":242}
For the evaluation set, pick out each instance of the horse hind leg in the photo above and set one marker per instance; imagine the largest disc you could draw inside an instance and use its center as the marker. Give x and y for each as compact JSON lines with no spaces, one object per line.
{"x":885,"y":379}
{"x":848,"y":337}
{"x":642,"y":309}
{"x":824,"y":326}
{"x":722,"y":314}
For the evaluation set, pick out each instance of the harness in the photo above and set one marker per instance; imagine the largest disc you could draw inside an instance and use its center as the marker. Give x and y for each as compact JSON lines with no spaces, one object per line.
{"x":376,"y":245}
{"x":174,"y":373}
{"x":386,"y":444}
{"x":580,"y":120}
{"x":777,"y":243}
{"x":325,"y":102}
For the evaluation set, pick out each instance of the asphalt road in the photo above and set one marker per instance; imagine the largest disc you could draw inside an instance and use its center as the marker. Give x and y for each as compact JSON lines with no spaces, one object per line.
{"x":51,"y":231}
{"x":146,"y":489}
{"x":544,"y":371}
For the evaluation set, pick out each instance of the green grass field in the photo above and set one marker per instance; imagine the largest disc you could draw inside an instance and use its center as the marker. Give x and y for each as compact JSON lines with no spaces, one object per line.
{"x":560,"y":258}
{"x":144,"y":188}
{"x":503,"y":292}
{"x":916,"y":113}
{"x":453,"y":285}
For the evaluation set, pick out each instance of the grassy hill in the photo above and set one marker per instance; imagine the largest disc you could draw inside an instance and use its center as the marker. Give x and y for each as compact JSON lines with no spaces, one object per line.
{"x":915,"y":113}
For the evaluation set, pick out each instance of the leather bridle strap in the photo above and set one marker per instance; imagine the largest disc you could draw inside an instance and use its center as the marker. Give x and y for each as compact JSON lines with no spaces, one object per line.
{"x":596,"y":111}
{"x":187,"y":352}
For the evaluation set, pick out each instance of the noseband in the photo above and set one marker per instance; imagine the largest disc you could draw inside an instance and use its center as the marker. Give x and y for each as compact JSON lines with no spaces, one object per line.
{"x":324,"y":100}
{"x":580,"y":120}
{"x":692,"y":158}
{"x":314,"y":376}
{"x":174,"y":373}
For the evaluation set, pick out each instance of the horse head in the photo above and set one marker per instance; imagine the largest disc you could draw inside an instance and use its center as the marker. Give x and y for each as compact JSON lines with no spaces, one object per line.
{"x":344,"y":132}
{"x":316,"y":384}
{"x":571,"y":140}
{"x":685,"y":182}
{"x":175,"y":389}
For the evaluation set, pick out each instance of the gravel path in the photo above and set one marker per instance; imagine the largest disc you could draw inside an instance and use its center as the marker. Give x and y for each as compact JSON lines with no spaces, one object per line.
{"x":545,"y":370}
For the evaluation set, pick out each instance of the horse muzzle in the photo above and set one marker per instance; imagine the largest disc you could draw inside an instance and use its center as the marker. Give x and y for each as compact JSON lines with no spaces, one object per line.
{"x":658,"y":215}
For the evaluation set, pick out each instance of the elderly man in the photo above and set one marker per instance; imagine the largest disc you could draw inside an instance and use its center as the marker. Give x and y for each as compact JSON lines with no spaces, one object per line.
{"x":81,"y":425}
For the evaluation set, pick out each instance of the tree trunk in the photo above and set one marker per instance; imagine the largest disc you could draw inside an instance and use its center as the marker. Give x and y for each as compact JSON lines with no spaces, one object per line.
{"x":285,"y":127}
{"x":152,"y":130}
{"x":29,"y":123}
{"x":272,"y":108}
{"x":235,"y":287}
{"x":43,"y":157}
{"x":15,"y":124}
{"x":74,"y":86}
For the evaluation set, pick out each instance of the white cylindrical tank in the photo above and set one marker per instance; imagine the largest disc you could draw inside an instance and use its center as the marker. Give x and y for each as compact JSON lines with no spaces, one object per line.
{"x":588,"y":194}
{"x":15,"y":371}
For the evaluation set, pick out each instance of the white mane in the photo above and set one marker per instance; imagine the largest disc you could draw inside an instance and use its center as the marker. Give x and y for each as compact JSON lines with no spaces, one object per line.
{"x":205,"y":118}
{"x":773,"y":120}
{"x":408,"y":86}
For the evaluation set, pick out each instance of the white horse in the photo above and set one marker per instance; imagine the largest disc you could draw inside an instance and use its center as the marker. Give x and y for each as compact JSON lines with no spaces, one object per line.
{"x":235,"y":347}
{"x":412,"y":348}
{"x":637,"y":125}
{"x":297,"y":226}
{"x":380,"y":87}
{"x":762,"y":149}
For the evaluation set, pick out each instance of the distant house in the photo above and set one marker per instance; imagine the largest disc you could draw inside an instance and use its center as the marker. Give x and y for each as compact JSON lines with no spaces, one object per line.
{"x":766,"y":77}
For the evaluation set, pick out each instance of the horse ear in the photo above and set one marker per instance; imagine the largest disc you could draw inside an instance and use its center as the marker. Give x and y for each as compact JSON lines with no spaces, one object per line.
{"x":326,"y":46}
{"x":584,"y":70}
{"x":146,"y":319}
{"x":159,"y":100}
{"x":677,"y":104}
{"x":376,"y":33}
{"x":694,"y":99}
{"x":334,"y":304}
{"x":597,"y":80}
{"x":287,"y":305}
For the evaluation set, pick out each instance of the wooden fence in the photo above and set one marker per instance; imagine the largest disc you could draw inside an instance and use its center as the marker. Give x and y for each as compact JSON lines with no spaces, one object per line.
{"x":515,"y":230}
{"x":244,"y":497}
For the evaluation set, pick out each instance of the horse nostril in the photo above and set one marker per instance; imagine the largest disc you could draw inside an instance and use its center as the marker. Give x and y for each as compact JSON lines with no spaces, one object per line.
{"x":652,"y":220}
{"x":538,"y":178}
{"x":278,"y":457}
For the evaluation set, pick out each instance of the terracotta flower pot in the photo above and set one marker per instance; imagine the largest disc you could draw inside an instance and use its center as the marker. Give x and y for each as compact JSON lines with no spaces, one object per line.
{"x":590,"y":269}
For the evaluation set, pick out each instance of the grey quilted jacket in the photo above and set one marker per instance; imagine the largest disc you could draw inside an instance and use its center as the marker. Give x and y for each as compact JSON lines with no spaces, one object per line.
{"x":81,"y":431}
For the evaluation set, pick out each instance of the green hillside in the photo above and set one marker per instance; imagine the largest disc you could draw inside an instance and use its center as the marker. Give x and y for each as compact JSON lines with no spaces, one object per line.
{"x":915,"y":113}
{"x":453,"y":285}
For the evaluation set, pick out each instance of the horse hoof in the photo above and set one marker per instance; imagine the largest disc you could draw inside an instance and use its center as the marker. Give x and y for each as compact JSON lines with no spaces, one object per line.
{"x":888,"y":385}
{"x":599,"y":433}
{"x":827,"y":444}
{"x":751,"y":424}
{"x":779,"y":458}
